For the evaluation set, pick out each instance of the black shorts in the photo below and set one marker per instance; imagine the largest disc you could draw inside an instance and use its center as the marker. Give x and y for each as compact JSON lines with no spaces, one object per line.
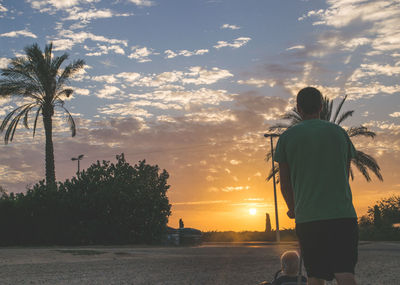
{"x":329,"y":246}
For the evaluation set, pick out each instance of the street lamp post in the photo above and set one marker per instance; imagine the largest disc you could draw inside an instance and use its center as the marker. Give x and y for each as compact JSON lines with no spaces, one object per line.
{"x":78,"y":159}
{"x":271,"y":136}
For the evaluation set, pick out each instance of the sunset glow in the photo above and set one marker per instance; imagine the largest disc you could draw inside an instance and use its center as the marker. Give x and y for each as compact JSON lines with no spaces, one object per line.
{"x":192,"y":86}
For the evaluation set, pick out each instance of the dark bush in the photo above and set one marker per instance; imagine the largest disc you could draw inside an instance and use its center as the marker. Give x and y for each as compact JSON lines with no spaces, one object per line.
{"x":106,"y":204}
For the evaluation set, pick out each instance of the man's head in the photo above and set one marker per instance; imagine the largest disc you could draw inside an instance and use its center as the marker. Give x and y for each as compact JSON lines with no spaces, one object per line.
{"x":309,"y":101}
{"x":290,"y":263}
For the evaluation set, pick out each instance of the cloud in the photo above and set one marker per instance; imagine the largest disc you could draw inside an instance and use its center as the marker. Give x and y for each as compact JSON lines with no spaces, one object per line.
{"x":234,"y":162}
{"x":125,"y":109}
{"x":110,"y":79}
{"x":211,"y":116}
{"x":44,"y":5}
{"x":196,"y":75}
{"x":4,"y":62}
{"x":128,"y":76}
{"x":16,"y":34}
{"x":385,"y":125}
{"x":379,"y":18}
{"x":3,"y":9}
{"x":85,"y":16}
{"x":141,"y":54}
{"x":395,"y":115}
{"x":359,"y":90}
{"x":237,"y":43}
{"x":261,"y":105}
{"x":67,"y":39}
{"x":310,"y":14}
{"x":257,"y":82}
{"x":81,"y":74}
{"x":142,"y":2}
{"x":108,"y":92}
{"x":186,"y":98}
{"x":373,"y":70}
{"x":228,"y":26}
{"x":296,"y":47}
{"x":171,"y":54}
{"x":235,"y":188}
{"x":102,"y":49}
{"x":81,"y":91}
{"x":18,"y":175}
{"x":199,"y":75}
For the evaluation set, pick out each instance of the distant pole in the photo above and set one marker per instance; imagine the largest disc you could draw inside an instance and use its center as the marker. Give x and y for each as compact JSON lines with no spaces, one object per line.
{"x":278,"y":237}
{"x":79,"y":160}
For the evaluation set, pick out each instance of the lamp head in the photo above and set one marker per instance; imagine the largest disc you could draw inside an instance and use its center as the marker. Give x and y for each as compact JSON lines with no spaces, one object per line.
{"x":271,"y":135}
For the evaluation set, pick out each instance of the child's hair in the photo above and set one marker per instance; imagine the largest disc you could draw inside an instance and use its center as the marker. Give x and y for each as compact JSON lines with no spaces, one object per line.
{"x":290,"y":262}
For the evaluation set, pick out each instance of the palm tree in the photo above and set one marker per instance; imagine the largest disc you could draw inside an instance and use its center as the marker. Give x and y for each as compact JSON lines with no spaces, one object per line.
{"x":363,"y":162}
{"x":40,"y":81}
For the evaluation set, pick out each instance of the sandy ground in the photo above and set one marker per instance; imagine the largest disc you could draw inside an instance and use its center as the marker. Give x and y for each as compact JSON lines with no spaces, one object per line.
{"x":379,"y":263}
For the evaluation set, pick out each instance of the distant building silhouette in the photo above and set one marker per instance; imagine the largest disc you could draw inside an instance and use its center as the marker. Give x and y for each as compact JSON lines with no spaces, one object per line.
{"x":181,"y":225}
{"x":267,"y":223}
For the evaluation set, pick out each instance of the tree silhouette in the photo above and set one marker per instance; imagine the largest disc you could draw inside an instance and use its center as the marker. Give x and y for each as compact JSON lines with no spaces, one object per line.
{"x":38,"y":78}
{"x":363,"y":162}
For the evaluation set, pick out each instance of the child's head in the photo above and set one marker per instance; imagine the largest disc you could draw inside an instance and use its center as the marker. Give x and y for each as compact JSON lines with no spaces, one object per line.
{"x":290,"y":263}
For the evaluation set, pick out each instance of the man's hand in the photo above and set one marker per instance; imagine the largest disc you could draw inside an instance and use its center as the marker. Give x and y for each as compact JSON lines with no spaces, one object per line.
{"x":291,"y":214}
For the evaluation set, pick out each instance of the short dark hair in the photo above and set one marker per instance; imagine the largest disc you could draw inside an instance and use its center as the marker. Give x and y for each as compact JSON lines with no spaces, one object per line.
{"x":309,"y":99}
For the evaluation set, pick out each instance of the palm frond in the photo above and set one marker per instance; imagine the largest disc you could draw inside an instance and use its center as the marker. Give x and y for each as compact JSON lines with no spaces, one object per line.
{"x":338,"y":109}
{"x":272,"y":173}
{"x":345,"y":116}
{"x":70,"y":121}
{"x":362,"y":169}
{"x":9,"y":116}
{"x":9,"y":135}
{"x":36,"y":118}
{"x":58,"y":61}
{"x":47,"y":53}
{"x":292,"y":115}
{"x":351,"y":173}
{"x":369,"y":163}
{"x":26,"y":117}
{"x":326,"y":109}
{"x":360,"y":131}
{"x":268,"y":156}
{"x":70,"y":70}
{"x":20,"y":88}
{"x":65,"y":92}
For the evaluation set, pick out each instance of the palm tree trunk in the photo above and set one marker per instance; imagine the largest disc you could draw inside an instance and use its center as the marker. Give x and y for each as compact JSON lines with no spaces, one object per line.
{"x":50,"y":168}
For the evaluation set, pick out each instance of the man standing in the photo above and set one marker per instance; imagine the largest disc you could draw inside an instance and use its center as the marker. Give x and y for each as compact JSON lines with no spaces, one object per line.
{"x":314,"y":160}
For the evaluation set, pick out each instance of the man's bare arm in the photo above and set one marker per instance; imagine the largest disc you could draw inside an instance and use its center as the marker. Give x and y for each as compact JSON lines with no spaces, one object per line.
{"x":286,"y":187}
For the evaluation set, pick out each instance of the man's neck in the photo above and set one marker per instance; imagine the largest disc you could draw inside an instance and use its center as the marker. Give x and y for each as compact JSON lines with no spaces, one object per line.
{"x":310,"y":117}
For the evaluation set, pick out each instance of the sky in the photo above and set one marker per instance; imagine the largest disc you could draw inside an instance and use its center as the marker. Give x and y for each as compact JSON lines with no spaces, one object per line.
{"x":192,"y":86}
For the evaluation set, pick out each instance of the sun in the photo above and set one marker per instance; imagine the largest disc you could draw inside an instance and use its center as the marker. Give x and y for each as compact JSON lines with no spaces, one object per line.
{"x":253,"y":211}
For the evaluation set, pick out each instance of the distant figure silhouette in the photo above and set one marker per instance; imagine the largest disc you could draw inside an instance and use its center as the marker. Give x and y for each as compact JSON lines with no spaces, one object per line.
{"x":314,"y":164}
{"x":181,"y":225}
{"x":288,"y":273}
{"x":267,"y":223}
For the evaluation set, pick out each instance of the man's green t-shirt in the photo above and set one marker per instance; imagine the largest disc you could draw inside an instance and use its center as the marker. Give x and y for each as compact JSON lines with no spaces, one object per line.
{"x":317,"y":153}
